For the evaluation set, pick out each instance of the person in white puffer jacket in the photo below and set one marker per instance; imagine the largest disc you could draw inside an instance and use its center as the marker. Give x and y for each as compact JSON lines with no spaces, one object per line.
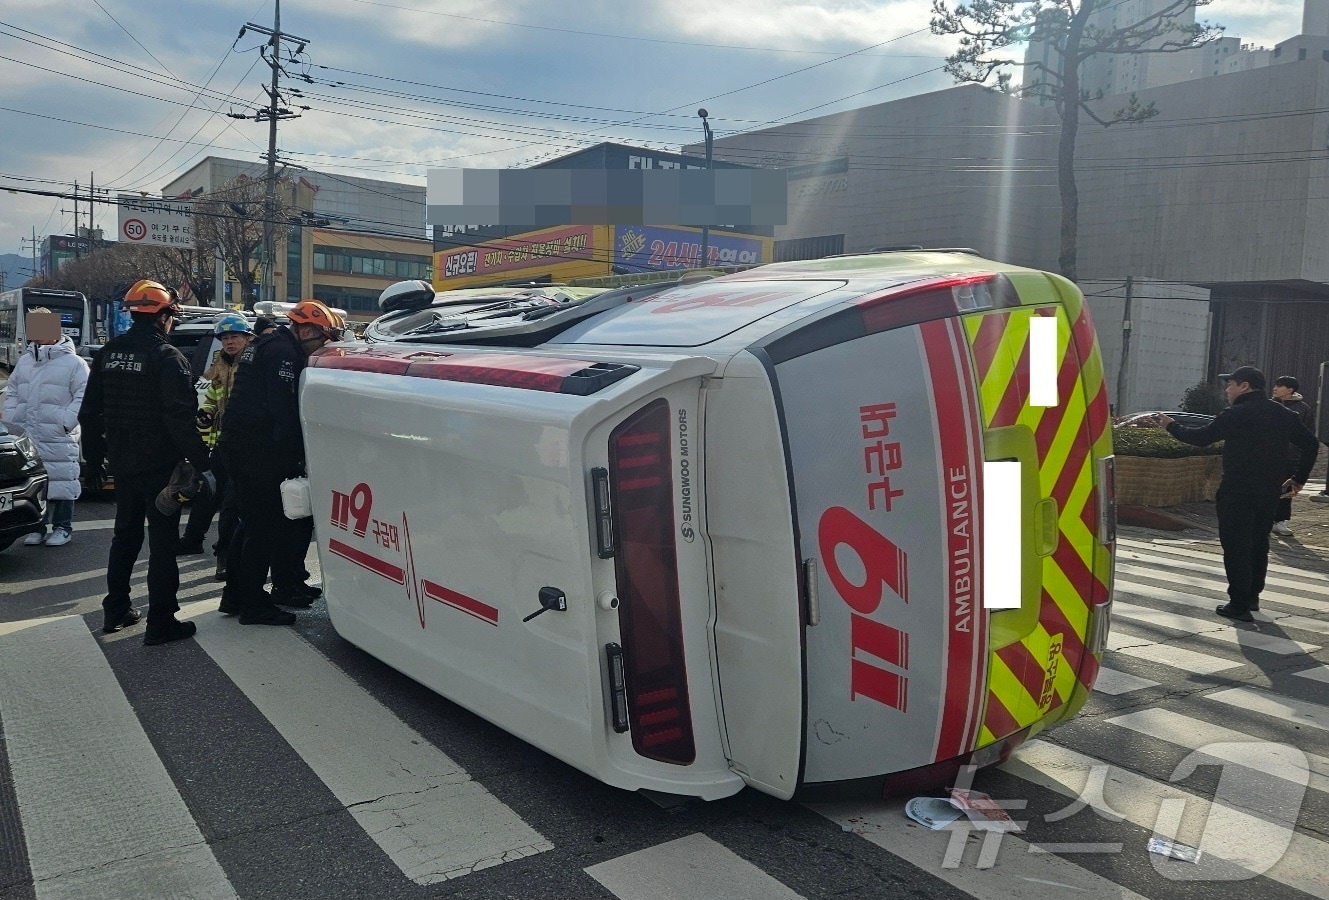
{"x":44,"y":395}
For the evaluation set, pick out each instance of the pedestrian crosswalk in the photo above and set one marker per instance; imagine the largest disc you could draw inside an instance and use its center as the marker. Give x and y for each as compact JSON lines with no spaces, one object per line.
{"x":283,"y":762}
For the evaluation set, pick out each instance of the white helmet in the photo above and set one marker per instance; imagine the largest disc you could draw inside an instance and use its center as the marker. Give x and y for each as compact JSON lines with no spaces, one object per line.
{"x":406,"y":295}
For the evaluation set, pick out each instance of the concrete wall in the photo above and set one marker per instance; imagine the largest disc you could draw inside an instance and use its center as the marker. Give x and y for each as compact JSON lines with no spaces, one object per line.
{"x":1169,"y":346}
{"x":964,"y":167}
{"x":1218,"y":187}
{"x":1229,"y":183}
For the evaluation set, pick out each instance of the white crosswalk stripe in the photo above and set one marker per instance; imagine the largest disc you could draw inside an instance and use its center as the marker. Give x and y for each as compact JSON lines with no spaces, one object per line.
{"x":1214,"y":629}
{"x":1126,"y":642}
{"x":433,"y":820}
{"x":1289,"y":709}
{"x":962,"y":865}
{"x":1231,"y":833}
{"x":1222,"y":743}
{"x":1182,"y":592}
{"x":689,"y":868}
{"x":1110,"y":681}
{"x":1319,"y":673}
{"x":123,"y":830}
{"x":1175,"y":554}
{"x":1138,"y":590}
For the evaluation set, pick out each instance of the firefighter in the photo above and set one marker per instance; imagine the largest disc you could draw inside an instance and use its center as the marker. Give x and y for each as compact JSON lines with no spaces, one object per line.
{"x":234,"y":333}
{"x":262,"y":445}
{"x":138,"y":411}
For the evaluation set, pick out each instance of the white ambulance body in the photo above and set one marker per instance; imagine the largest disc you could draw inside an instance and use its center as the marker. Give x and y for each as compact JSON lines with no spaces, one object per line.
{"x":752,"y":512}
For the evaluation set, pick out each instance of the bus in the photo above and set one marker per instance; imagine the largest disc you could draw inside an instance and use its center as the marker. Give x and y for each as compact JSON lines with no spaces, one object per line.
{"x":75,"y":319}
{"x":827,"y":529}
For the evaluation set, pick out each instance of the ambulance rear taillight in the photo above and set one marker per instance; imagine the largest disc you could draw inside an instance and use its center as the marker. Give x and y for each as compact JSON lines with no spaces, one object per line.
{"x":936,"y":298}
{"x":654,"y":674}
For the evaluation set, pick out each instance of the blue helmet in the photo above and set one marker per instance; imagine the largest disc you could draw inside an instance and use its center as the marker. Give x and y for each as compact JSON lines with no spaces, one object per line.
{"x":233,"y":323}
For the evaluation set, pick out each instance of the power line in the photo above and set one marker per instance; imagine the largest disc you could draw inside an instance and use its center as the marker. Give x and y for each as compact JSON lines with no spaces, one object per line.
{"x":226,"y":124}
{"x":134,"y":39}
{"x":215,"y":69}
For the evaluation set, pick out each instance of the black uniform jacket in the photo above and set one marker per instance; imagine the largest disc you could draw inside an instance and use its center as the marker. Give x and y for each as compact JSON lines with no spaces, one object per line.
{"x":1255,"y":432}
{"x":263,"y":412}
{"x":139,"y":405}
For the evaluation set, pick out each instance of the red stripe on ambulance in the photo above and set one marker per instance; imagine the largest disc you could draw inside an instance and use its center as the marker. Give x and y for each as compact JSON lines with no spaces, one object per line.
{"x":366,"y":561}
{"x":959,"y":436}
{"x":469,"y":605}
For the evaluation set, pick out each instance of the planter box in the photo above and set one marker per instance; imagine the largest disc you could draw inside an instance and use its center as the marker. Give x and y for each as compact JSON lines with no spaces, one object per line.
{"x":1149,"y":481}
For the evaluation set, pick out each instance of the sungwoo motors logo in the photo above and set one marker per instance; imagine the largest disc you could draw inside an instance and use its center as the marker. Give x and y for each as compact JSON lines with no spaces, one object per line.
{"x":685,"y":479}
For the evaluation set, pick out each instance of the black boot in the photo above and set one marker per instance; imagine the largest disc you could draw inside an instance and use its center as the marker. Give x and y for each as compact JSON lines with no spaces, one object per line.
{"x":111,"y":626}
{"x":173,"y":631}
{"x":265,"y":614}
{"x":1234,"y":613}
{"x":295,"y":599}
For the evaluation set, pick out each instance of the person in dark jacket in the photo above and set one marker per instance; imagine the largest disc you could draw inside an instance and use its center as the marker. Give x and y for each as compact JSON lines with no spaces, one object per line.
{"x":138,"y":411}
{"x":1256,"y":432}
{"x":1287,"y":391}
{"x":262,"y":445}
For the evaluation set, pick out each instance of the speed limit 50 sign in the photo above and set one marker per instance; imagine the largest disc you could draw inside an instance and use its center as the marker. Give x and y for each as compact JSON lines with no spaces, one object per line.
{"x":164,"y":223}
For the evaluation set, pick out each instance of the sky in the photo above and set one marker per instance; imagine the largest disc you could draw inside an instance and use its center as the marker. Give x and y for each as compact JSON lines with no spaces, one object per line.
{"x":132,"y":93}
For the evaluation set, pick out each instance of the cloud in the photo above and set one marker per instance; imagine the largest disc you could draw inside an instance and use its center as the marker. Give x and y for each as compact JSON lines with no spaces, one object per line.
{"x":487,"y":94}
{"x":843,"y":25}
{"x":1259,"y":22}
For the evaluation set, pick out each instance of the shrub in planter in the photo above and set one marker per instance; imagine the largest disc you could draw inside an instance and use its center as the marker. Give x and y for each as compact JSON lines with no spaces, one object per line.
{"x":1156,"y":469}
{"x":1157,"y":444}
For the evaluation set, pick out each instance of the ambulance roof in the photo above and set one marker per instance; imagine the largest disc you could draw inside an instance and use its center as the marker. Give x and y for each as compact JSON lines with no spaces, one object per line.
{"x":725,"y":314}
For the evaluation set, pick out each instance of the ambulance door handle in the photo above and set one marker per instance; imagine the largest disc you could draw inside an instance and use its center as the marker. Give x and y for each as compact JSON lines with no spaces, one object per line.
{"x":550,"y":598}
{"x":810,"y":591}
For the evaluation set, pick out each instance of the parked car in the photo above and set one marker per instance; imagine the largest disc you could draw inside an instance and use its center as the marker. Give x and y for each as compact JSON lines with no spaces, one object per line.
{"x":1146,"y":419}
{"x":22,"y":485}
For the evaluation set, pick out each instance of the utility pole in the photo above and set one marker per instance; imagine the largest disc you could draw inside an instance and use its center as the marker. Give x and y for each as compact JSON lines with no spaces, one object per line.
{"x":33,"y":244}
{"x":1125,"y":347}
{"x":705,"y":229}
{"x":272,"y":113}
{"x":76,"y":253}
{"x":92,"y":192}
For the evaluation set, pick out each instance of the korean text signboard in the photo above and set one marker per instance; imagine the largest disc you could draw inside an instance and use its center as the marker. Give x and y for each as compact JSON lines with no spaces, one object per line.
{"x":161,"y":223}
{"x":534,"y":249}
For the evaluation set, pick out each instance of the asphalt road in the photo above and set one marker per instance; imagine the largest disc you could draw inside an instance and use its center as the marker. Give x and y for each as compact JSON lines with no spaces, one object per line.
{"x":260,"y":762}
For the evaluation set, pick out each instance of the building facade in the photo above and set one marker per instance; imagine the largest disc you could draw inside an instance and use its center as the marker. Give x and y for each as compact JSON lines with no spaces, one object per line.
{"x":964,"y":167}
{"x":564,"y":253}
{"x":357,"y":236}
{"x":355,"y":204}
{"x":1223,"y":190}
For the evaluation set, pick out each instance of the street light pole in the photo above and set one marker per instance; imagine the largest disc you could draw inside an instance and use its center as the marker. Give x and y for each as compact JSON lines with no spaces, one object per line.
{"x":705,"y":228}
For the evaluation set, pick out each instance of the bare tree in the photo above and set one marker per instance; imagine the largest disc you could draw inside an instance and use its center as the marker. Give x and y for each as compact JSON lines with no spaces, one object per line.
{"x":106,"y":274}
{"x":1074,"y":35}
{"x":231,"y":220}
{"x":192,"y":267}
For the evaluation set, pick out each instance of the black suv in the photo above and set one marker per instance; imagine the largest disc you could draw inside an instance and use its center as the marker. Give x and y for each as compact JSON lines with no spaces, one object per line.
{"x":22,"y":485}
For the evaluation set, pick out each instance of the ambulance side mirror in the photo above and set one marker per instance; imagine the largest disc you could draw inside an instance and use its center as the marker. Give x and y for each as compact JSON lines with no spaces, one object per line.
{"x":550,"y":598}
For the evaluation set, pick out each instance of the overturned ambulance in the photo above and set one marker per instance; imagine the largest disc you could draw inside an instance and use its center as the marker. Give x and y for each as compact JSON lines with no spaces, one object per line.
{"x":827,"y":528}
